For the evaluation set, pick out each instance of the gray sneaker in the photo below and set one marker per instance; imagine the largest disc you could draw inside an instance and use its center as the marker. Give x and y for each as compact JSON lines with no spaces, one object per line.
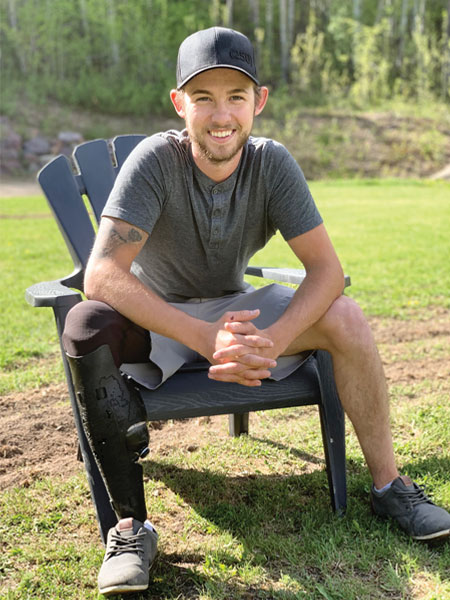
{"x":407,"y":503}
{"x":130,"y":551}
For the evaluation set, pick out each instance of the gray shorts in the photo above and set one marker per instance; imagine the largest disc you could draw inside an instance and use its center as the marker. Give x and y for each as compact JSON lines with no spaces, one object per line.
{"x":167,"y":356}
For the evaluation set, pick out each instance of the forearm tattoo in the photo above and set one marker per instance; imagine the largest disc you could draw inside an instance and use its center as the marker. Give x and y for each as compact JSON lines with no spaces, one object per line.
{"x":113,"y":238}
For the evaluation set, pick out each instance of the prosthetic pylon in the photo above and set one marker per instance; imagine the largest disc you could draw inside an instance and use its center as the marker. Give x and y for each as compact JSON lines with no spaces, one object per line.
{"x":114,"y":420}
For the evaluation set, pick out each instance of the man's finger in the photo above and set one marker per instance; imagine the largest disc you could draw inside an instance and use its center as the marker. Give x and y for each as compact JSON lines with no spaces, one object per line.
{"x":241,"y":315}
{"x":236,"y":379}
{"x":248,"y":341}
{"x":237,"y":351}
{"x":245,"y":327}
{"x":251,"y":377}
{"x":243,"y":363}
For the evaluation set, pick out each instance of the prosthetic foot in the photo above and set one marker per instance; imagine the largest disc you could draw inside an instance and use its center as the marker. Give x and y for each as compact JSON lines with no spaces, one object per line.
{"x":114,"y":420}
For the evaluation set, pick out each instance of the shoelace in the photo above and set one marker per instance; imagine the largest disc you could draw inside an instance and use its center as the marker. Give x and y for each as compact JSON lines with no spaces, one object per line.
{"x":415,"y":496}
{"x":118,"y":544}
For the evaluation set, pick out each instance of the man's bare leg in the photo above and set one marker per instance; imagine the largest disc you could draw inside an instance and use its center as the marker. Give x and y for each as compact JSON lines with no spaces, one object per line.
{"x":360,"y":381}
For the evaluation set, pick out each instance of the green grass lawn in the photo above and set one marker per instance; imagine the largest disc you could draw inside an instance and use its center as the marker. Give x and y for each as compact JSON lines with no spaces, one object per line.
{"x":392,"y":238}
{"x":248,"y":518}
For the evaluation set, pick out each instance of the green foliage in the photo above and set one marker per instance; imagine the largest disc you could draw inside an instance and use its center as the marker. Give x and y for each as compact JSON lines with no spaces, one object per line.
{"x":119,"y":57}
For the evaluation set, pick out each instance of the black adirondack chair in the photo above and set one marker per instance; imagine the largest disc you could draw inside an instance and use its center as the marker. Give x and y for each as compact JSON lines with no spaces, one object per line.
{"x":189,"y":393}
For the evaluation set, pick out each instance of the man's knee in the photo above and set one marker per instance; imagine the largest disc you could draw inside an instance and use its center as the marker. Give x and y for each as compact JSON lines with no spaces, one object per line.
{"x":92,"y":324}
{"x":89,"y":325}
{"x":344,"y":324}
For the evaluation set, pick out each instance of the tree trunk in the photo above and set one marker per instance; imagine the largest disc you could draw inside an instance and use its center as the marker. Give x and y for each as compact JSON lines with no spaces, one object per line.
{"x":291,"y":24}
{"x":13,"y":22}
{"x":357,"y":28}
{"x":268,"y":38}
{"x":12,"y":14}
{"x":419,"y":12}
{"x":86,"y":30}
{"x":230,"y":13}
{"x":284,"y":42}
{"x":111,"y":17}
{"x":403,"y":32}
{"x":254,"y":5}
{"x":445,"y":92}
{"x":380,"y":11}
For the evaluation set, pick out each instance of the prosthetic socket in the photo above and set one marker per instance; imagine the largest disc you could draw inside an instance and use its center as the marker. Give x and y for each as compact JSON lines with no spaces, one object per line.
{"x":114,"y":420}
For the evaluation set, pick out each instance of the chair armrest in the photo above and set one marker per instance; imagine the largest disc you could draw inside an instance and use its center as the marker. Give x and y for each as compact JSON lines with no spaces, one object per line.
{"x":55,"y":294}
{"x":284,"y":275}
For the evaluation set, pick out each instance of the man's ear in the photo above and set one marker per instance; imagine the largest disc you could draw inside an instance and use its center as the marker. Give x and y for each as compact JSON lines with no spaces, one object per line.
{"x":177,"y":100}
{"x":261,"y":100}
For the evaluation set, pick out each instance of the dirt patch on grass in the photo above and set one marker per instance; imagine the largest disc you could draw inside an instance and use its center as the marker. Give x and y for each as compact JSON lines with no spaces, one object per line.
{"x":19,"y":188}
{"x":38,"y":436}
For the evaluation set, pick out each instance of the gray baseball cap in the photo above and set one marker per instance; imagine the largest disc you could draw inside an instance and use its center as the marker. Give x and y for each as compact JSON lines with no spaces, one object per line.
{"x":213,"y":48}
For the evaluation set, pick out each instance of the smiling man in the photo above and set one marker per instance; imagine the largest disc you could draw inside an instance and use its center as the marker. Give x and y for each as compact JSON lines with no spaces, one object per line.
{"x":165,"y":283}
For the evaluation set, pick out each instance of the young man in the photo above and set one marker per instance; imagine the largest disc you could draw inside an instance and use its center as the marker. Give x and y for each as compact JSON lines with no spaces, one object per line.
{"x":187,"y":212}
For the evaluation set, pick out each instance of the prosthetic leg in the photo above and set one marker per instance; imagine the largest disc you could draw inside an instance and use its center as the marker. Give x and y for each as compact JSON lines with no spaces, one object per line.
{"x":114,"y":420}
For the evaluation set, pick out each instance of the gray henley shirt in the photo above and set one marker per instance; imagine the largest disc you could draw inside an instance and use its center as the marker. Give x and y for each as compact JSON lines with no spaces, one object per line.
{"x":202,"y":234}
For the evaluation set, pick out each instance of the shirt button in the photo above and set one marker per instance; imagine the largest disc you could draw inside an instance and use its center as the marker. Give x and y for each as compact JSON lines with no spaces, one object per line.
{"x":216,"y":191}
{"x":217,"y":212}
{"x":216,"y":230}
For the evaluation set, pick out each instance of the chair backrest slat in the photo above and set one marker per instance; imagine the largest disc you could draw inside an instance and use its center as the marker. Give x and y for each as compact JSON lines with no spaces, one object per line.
{"x":63,"y":194}
{"x":123,"y":145}
{"x":95,"y":164}
{"x":64,"y":189}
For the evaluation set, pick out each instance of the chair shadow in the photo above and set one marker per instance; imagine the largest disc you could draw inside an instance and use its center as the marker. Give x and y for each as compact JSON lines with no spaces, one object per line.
{"x":316,"y":460}
{"x":240,"y":504}
{"x":254,"y":494}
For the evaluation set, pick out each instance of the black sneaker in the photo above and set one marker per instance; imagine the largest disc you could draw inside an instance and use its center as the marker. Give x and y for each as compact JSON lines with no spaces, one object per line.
{"x":130,"y":552}
{"x":407,"y":503}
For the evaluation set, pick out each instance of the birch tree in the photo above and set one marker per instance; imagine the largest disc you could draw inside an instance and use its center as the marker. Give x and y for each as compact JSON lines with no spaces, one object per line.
{"x":229,"y":7}
{"x":111,"y":19}
{"x":284,"y":49}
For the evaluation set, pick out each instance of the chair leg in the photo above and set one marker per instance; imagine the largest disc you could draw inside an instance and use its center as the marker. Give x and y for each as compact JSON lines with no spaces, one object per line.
{"x":332,"y":420}
{"x":238,"y":424}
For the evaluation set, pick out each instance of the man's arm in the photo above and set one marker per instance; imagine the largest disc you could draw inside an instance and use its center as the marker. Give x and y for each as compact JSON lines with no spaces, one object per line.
{"x":108,"y":279}
{"x":323,"y":283}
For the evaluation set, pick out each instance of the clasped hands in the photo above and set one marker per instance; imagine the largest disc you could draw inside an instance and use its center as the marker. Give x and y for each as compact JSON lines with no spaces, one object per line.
{"x":242,"y":353}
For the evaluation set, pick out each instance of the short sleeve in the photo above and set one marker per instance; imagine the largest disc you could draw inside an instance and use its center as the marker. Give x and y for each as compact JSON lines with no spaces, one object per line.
{"x":292,"y":209}
{"x":140,"y":190}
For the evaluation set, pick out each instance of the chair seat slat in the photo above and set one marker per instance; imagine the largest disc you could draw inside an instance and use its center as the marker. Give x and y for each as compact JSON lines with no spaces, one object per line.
{"x":194,"y":394}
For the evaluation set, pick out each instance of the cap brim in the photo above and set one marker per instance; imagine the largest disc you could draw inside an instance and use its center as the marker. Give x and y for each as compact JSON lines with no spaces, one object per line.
{"x":187,"y":79}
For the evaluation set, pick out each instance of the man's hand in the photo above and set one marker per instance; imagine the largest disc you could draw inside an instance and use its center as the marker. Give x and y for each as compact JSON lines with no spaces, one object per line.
{"x":242,"y":353}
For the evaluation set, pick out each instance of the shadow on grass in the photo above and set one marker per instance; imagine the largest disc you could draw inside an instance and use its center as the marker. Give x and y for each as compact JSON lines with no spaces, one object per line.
{"x":306,"y":456}
{"x":286,"y":528}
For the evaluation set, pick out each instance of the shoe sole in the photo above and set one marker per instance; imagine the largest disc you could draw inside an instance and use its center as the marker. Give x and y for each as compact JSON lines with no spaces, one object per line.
{"x":122,"y":589}
{"x":438,"y":535}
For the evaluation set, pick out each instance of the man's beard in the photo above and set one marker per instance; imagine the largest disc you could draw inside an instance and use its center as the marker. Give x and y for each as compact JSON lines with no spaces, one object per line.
{"x":218,"y":158}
